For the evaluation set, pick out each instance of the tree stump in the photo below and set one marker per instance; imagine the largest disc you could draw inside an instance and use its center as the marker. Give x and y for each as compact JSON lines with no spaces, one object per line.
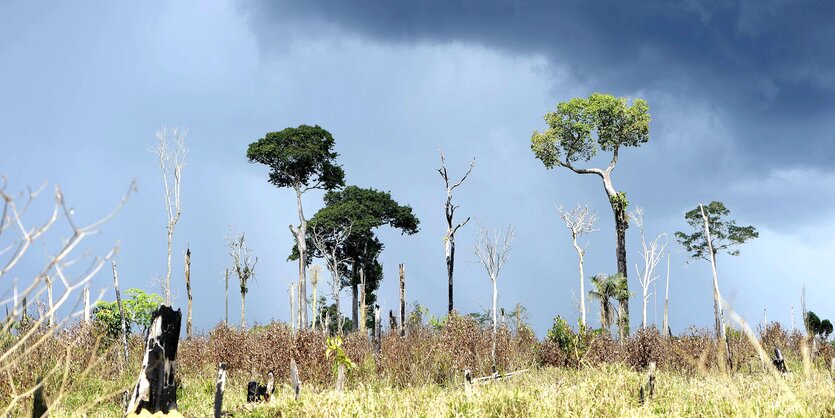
{"x":295,"y":381}
{"x":220,"y":386}
{"x":779,"y":362}
{"x":648,"y":390}
{"x":156,"y":389}
{"x":377,"y":329}
{"x":39,"y":407}
{"x":340,"y":378}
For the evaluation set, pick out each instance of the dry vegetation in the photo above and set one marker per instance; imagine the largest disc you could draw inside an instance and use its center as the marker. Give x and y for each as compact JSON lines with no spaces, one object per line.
{"x":422,"y":374}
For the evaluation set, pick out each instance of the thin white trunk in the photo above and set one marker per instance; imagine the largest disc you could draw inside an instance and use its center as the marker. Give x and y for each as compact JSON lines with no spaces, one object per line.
{"x":168,"y":271}
{"x":717,"y":306}
{"x":301,"y":242}
{"x":51,"y":318}
{"x":87,"y":305}
{"x":226,"y":316}
{"x":582,"y":281}
{"x":495,"y":325}
{"x":121,"y":310}
{"x":243,"y":311}
{"x":667,"y":299}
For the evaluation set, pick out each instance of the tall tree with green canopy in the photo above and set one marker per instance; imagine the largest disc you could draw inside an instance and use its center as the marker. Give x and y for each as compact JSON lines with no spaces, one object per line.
{"x":714,"y":232}
{"x":361,"y":211}
{"x":303,"y":159}
{"x":578,"y":130}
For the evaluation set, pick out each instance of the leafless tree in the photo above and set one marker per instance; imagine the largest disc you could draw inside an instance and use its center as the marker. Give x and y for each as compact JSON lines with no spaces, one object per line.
{"x":492,"y":253}
{"x":171,"y":162}
{"x":667,"y":299}
{"x":15,"y":240}
{"x":329,"y":242}
{"x":187,"y":262}
{"x":651,"y":252}
{"x":449,"y":212}
{"x":579,"y":222}
{"x":291,"y":294}
{"x":243,"y":265}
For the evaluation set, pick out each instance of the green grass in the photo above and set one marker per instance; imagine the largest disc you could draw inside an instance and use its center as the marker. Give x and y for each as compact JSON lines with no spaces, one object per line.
{"x":605,"y":391}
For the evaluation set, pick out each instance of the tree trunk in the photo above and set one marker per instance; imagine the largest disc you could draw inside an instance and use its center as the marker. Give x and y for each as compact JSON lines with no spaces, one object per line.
{"x":301,"y":242}
{"x":582,"y":282}
{"x":450,"y":263}
{"x":156,"y":388}
{"x":220,"y":386}
{"x":717,"y":304}
{"x":121,"y":310}
{"x":87,"y":305}
{"x":403,"y":299}
{"x":243,"y":310}
{"x":355,"y":306}
{"x":363,"y":308}
{"x":51,"y":318}
{"x":168,"y":272}
{"x":188,"y":291}
{"x":226,"y":317}
{"x":313,"y":311}
{"x":495,"y":324}
{"x":621,"y":224}
{"x":666,"y":330}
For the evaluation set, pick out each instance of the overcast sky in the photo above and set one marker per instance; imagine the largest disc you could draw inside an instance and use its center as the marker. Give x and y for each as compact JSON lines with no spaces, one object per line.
{"x":740,"y":93}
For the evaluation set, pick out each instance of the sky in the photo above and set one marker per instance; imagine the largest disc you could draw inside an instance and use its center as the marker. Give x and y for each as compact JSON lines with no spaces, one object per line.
{"x":740,"y":94}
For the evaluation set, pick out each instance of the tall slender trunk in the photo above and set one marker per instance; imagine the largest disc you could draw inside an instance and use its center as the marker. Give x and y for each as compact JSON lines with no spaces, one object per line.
{"x":403,"y":300}
{"x":226,"y":316}
{"x":717,"y":304}
{"x":666,"y":330}
{"x":450,"y":262}
{"x":313,"y":311}
{"x":243,"y":311}
{"x":355,"y":306}
{"x":621,"y":224}
{"x":495,"y":324}
{"x":51,"y":317}
{"x":87,"y":305}
{"x":645,"y":296}
{"x":188,"y":291}
{"x":363,"y":309}
{"x":301,"y":242}
{"x":121,"y":310}
{"x":168,"y":271}
{"x":582,"y":282}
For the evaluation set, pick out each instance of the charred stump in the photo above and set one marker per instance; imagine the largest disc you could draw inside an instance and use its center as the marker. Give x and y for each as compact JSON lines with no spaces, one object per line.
{"x":156,"y":389}
{"x":220,"y":386}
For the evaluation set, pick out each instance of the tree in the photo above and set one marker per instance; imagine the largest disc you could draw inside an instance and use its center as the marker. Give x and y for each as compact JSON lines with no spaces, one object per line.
{"x":139,"y":307}
{"x":449,"y":212}
{"x":579,"y":222}
{"x":713,"y":232}
{"x":577,"y":130}
{"x":303,"y":159}
{"x":171,"y":162}
{"x":603,"y":291}
{"x":329,"y":238}
{"x":492,"y":252}
{"x":364,"y":210}
{"x":244,"y":267}
{"x":651,"y":254}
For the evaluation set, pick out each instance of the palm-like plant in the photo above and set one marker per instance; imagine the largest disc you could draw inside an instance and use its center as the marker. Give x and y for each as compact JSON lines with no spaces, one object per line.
{"x":604,"y":291}
{"x":621,"y":293}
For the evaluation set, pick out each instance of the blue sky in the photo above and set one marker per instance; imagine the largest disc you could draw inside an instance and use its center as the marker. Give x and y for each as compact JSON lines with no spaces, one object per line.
{"x":740,"y":95}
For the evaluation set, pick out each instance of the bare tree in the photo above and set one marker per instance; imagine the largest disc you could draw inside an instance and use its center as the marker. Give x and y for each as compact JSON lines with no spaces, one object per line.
{"x":291,"y":294}
{"x":171,"y":162}
{"x":667,"y":299}
{"x":188,"y":290}
{"x":244,"y":267}
{"x":651,"y":253}
{"x":449,"y":212}
{"x":16,"y":239}
{"x":492,"y":253}
{"x":329,"y":242}
{"x":579,"y":222}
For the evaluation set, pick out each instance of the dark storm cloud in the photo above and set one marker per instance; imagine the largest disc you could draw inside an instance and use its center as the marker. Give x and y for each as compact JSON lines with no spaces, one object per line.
{"x":766,"y":66}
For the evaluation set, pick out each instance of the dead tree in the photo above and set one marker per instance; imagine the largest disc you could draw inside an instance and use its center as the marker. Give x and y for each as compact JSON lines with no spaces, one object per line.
{"x":667,"y":299}
{"x":378,"y":329}
{"x":220,"y":386}
{"x":647,"y":391}
{"x":315,"y":270}
{"x":121,"y":310}
{"x":363,"y":307}
{"x":156,"y":388}
{"x":226,"y":316}
{"x":449,"y":212}
{"x":244,"y":267}
{"x":402,"y":300}
{"x":393,"y":322}
{"x":171,"y":162}
{"x":295,"y":381}
{"x":493,"y":253}
{"x":291,"y":294}
{"x":188,"y":291}
{"x":329,"y":242}
{"x":87,"y":305}
{"x":651,"y":253}
{"x":579,"y":222}
{"x":51,"y":318}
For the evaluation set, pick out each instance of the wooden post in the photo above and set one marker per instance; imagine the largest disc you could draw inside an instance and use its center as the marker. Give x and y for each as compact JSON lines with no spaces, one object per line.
{"x":156,"y":388}
{"x":220,"y":386}
{"x":87,"y":305}
{"x":188,"y":291}
{"x":468,"y":382}
{"x":392,"y":321}
{"x":121,"y":310}
{"x":402,"y":300}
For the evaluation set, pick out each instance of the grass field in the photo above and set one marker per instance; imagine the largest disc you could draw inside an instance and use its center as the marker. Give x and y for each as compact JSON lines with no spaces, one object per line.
{"x":610,"y":390}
